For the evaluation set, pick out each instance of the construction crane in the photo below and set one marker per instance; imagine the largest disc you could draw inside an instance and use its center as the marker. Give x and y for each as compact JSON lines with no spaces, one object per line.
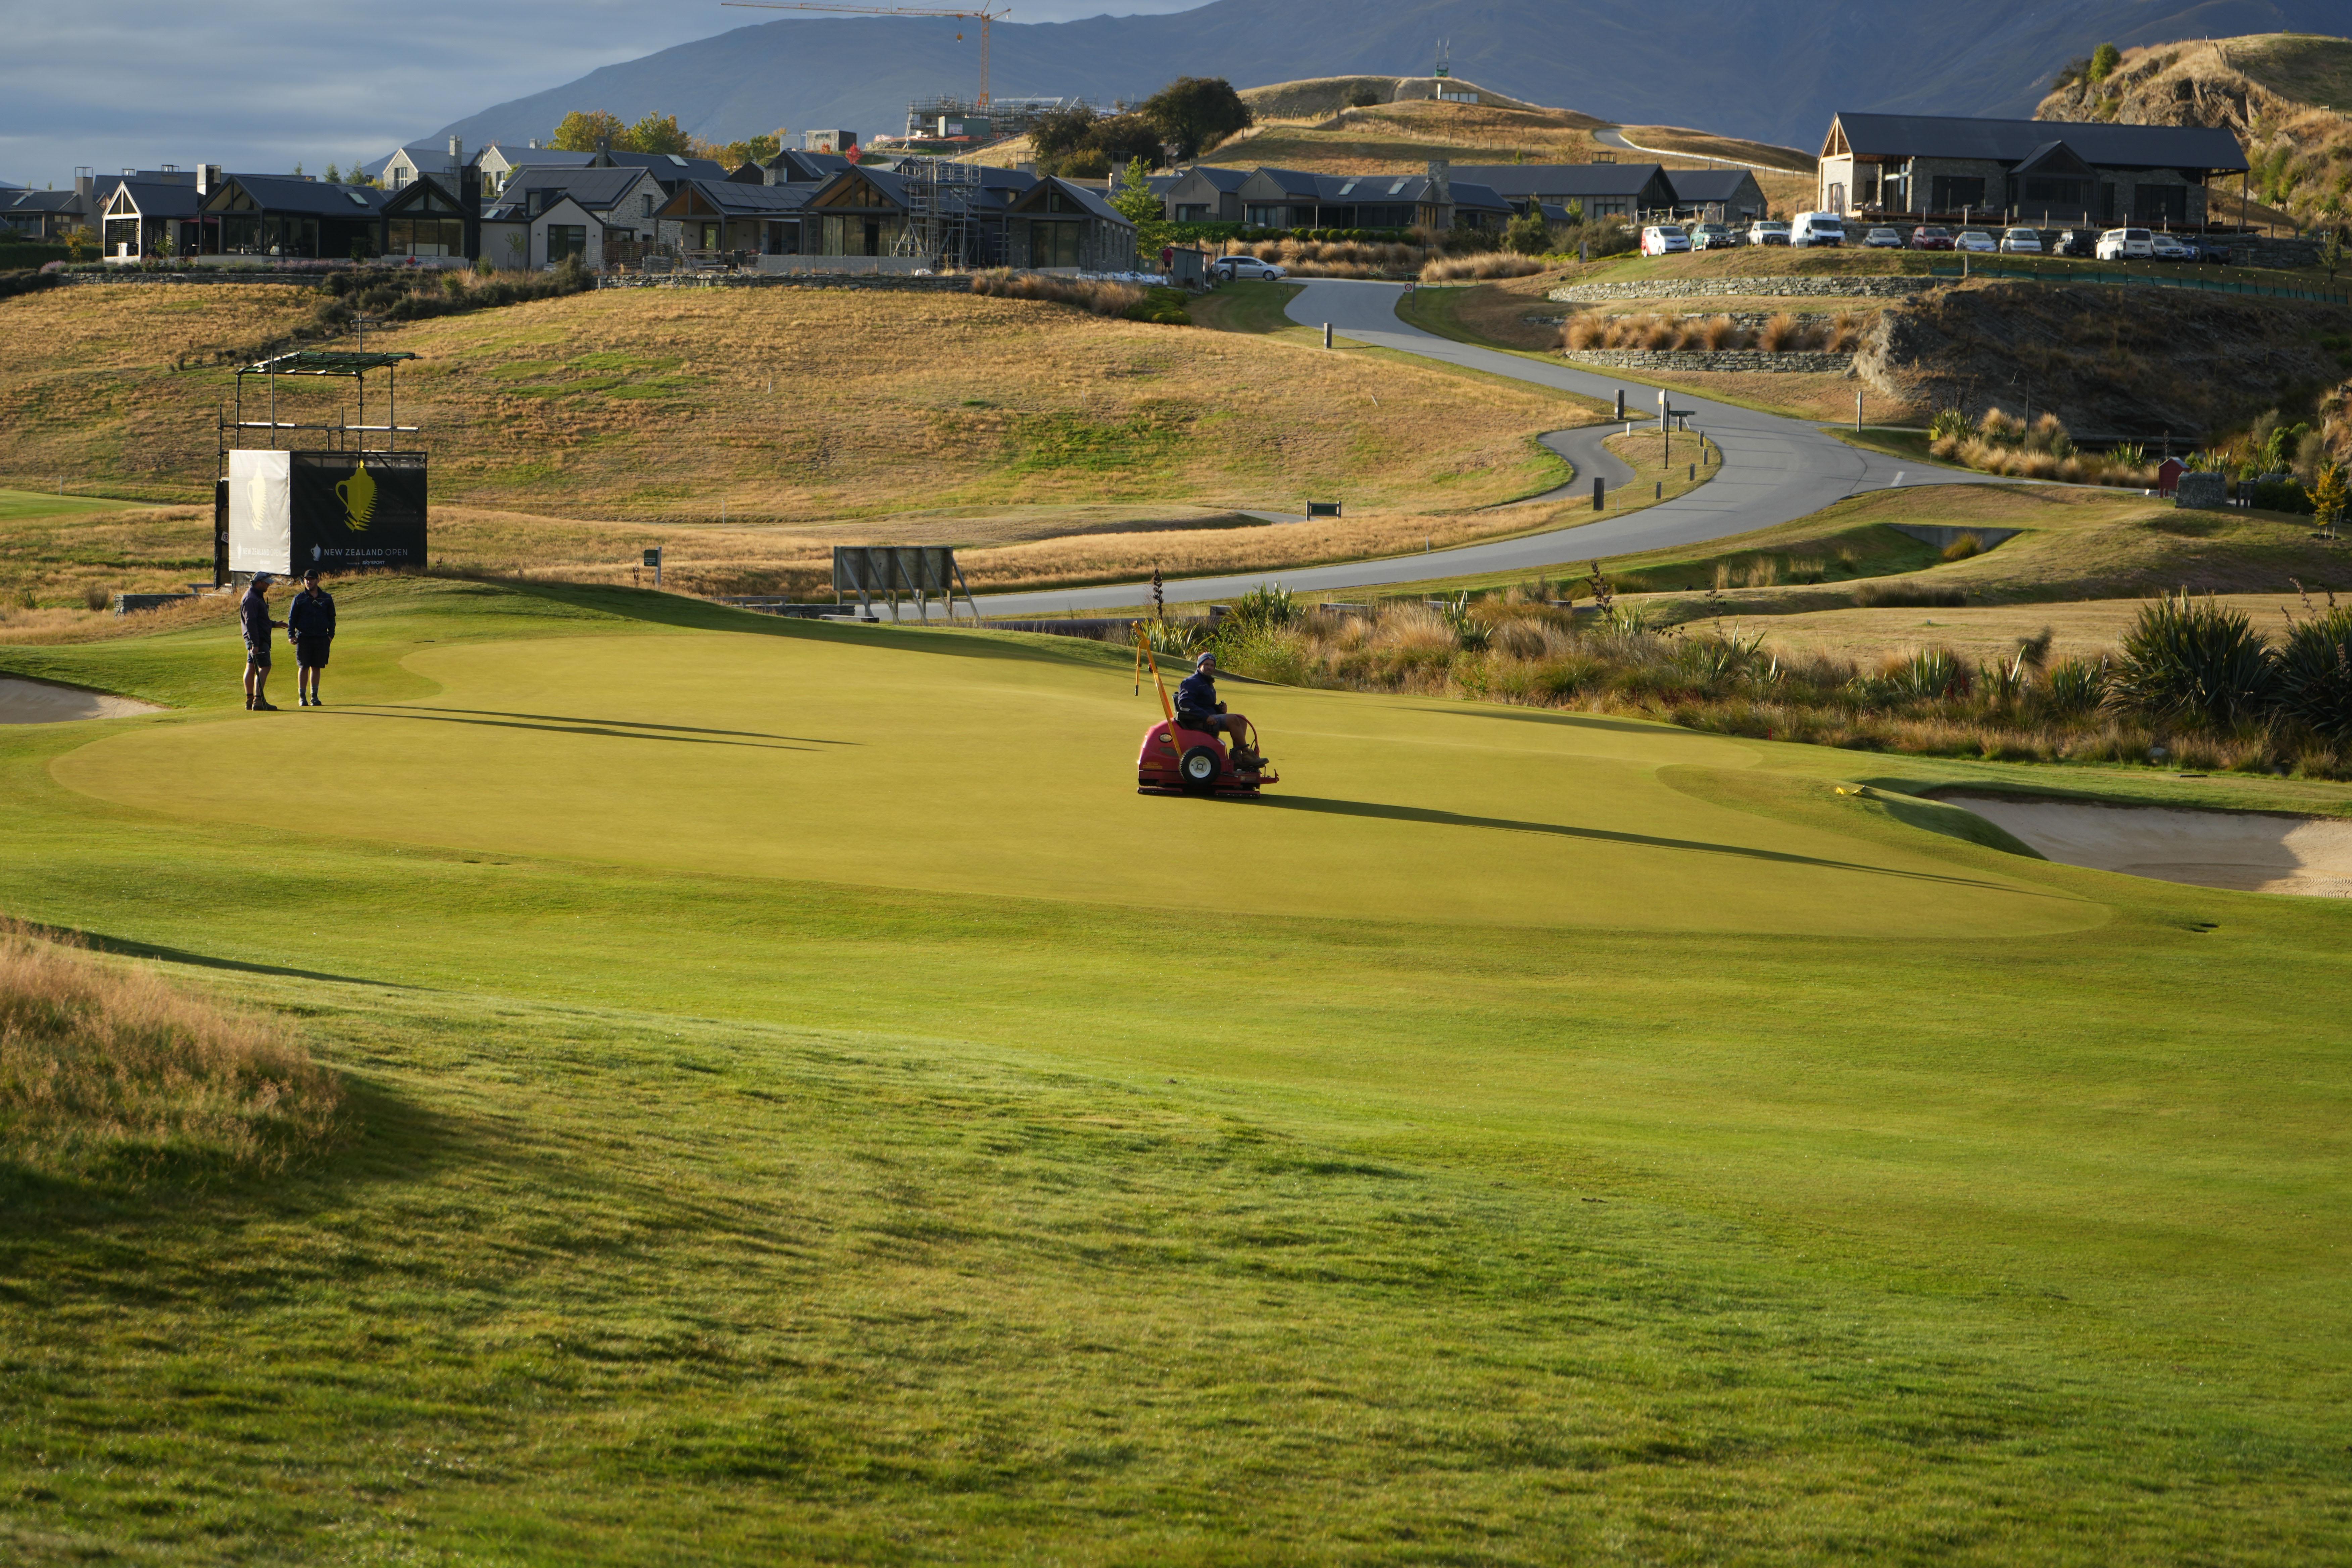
{"x":985,"y":15}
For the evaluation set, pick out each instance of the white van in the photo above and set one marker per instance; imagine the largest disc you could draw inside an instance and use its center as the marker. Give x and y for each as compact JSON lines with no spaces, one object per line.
{"x":1665,"y":239}
{"x":1817,"y":228}
{"x":2126,"y":245}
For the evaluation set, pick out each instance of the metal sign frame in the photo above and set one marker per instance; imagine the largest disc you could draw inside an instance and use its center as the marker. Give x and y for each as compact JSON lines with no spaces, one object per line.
{"x":919,"y":570}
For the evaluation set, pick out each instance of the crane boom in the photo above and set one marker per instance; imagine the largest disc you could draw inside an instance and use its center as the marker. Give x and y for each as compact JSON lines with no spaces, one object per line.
{"x":985,"y":15}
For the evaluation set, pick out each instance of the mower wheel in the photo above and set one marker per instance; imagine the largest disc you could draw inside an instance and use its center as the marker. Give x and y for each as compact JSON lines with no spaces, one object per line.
{"x":1197,"y":769}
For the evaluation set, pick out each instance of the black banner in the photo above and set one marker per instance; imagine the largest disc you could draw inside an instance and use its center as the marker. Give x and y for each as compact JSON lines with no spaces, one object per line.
{"x":358,"y":512}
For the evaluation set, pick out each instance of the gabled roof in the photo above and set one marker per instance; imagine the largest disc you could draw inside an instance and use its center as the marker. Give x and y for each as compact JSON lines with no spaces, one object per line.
{"x":1710,"y":185}
{"x":595,"y":189}
{"x":1226,"y":181}
{"x":1471,"y":197}
{"x":1091,"y":201}
{"x":665,"y":165}
{"x":2014,"y":141}
{"x":48,"y":201}
{"x":437,"y":193}
{"x":1295,"y":183}
{"x":1562,"y":182}
{"x":796,"y":167}
{"x":428,"y":158}
{"x":2053,"y":158}
{"x":283,"y":194}
{"x":153,"y":198}
{"x":885,"y":184}
{"x":734,"y":198}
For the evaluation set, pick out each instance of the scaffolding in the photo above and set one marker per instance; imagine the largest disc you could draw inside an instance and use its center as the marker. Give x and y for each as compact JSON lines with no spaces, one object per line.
{"x":942,"y":198}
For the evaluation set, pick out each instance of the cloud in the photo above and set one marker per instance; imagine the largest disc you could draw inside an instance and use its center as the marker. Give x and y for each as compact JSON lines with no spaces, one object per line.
{"x":261,"y":84}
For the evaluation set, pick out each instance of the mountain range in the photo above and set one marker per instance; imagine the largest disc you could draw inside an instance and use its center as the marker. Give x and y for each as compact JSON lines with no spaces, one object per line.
{"x":1774,"y":70}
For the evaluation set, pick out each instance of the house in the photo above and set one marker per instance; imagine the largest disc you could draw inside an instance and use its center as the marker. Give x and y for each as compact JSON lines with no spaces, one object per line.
{"x":435,"y":217}
{"x":2044,"y":171}
{"x":50,"y":215}
{"x":421,"y":158}
{"x":1205,"y":194}
{"x":1716,"y":195}
{"x":733,"y":214}
{"x":1057,"y":225}
{"x":1598,"y":190}
{"x":153,"y":211}
{"x":835,"y":141}
{"x":621,"y":204}
{"x":285,"y":215}
{"x":497,"y":161}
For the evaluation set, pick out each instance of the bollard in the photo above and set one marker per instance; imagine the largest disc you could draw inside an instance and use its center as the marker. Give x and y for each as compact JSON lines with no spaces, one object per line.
{"x":1600,"y":495}
{"x":1326,"y":335}
{"x":1662,"y":491}
{"x":1693,"y":473}
{"x":1620,"y":407}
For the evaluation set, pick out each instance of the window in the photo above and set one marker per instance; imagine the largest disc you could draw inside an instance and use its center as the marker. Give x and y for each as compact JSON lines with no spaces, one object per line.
{"x":645,"y":206}
{"x":1267,"y":217}
{"x":2160,"y":204}
{"x":2055,"y":193}
{"x":1951,"y":192}
{"x":1190,"y":213}
{"x":1056,"y":244}
{"x":425,"y":236}
{"x":566,"y":239}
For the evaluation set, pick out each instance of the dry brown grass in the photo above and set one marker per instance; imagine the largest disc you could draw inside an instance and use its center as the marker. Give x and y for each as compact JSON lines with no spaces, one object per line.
{"x":1092,"y":294}
{"x":107,"y":1072}
{"x":1782,"y":333}
{"x":801,"y":406}
{"x":1489,"y":264}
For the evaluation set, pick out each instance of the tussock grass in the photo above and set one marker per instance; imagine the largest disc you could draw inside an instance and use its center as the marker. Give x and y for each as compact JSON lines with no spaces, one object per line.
{"x":1489,"y":264}
{"x":107,"y":1072}
{"x":1096,"y":295}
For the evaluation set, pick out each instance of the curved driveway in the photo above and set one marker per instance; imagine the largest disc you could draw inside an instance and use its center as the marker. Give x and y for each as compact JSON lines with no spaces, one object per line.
{"x":1774,"y":470}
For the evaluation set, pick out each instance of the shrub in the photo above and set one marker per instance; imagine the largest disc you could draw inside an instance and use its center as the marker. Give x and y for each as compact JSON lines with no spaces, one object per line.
{"x":1267,"y":605}
{"x":1932,"y":675}
{"x":107,"y":1072}
{"x":1779,"y":334}
{"x":2184,"y":660}
{"x":2314,"y":674}
{"x":1948,"y":425}
{"x":1900,"y":596}
{"x":1963,"y":547}
{"x":29,"y":280}
{"x":96,"y":597}
{"x":2075,"y":687}
{"x":1490,"y":264}
{"x":1098,"y":296}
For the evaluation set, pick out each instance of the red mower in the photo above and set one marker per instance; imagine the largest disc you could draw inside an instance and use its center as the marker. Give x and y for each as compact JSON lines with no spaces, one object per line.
{"x":1178,"y":759}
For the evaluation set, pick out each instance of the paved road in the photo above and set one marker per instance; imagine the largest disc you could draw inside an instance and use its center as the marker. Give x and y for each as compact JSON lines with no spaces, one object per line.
{"x":1775,"y":470}
{"x":1615,"y":136}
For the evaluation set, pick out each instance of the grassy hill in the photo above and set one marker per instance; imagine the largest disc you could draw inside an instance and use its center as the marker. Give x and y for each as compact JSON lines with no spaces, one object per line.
{"x":2285,"y":94}
{"x":782,"y":1126}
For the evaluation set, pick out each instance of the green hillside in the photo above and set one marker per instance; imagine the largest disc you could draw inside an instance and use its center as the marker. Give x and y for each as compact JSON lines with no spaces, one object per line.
{"x":807,"y":1107}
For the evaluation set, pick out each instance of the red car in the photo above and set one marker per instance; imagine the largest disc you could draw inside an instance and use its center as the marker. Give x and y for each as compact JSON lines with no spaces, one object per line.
{"x":1931,"y":239}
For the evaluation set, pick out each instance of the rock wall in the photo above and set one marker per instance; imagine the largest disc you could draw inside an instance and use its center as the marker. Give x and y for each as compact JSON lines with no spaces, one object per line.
{"x":1750,"y":287}
{"x":1746,"y":360}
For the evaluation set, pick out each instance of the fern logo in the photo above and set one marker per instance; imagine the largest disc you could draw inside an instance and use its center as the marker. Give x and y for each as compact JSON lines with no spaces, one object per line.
{"x":358,"y":496}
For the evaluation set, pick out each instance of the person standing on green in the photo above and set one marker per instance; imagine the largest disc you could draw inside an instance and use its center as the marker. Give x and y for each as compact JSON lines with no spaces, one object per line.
{"x":252,"y":615}
{"x":310,"y":622}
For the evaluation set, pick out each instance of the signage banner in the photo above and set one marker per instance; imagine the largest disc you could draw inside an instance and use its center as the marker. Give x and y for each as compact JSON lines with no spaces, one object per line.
{"x":358,"y":512}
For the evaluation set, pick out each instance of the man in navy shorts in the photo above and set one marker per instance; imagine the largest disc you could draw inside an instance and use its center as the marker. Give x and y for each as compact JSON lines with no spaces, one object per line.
{"x":310,"y":622}
{"x":253,"y":612}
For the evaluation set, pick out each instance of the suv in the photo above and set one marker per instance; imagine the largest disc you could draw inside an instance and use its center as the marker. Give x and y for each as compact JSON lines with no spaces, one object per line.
{"x":2165,"y":248}
{"x":2083,"y":242}
{"x":1882,"y":240}
{"x":1931,"y":239}
{"x":1664,"y":239}
{"x":1712,"y":236}
{"x":1817,"y":228}
{"x":2020,"y":242}
{"x":1232,"y":266}
{"x":2126,"y":245}
{"x":1766,"y":231}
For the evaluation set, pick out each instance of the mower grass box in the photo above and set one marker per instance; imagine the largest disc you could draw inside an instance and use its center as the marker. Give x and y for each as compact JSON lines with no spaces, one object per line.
{"x":339,"y":512}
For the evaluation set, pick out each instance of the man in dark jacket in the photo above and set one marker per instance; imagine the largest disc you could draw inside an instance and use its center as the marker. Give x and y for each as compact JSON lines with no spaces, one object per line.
{"x":310,"y":622}
{"x":1197,"y":708}
{"x":252,"y":615}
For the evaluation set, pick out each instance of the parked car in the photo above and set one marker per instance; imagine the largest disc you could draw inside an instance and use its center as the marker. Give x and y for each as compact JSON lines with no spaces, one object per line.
{"x":1811,"y":229}
{"x":1882,"y":240}
{"x":2126,"y":245}
{"x":2020,"y":242}
{"x":1976,"y":240}
{"x":1712,"y":236}
{"x":2210,"y":249}
{"x":1664,"y":239}
{"x":2083,"y":242}
{"x":1768,"y":231}
{"x":1228,"y":268}
{"x":1931,"y":239}
{"x":2166,"y":247}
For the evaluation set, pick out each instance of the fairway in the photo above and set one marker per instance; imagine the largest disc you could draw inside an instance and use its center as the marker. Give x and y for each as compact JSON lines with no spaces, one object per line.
{"x":807,"y":1107}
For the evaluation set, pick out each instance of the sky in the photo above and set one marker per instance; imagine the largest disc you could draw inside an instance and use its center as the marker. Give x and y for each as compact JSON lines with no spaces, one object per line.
{"x":258,"y":86}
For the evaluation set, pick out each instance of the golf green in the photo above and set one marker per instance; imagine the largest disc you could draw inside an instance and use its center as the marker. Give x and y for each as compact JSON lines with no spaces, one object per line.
{"x":809,"y":1108}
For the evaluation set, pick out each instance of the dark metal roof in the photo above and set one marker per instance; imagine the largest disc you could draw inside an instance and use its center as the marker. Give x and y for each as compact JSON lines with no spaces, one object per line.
{"x":1710,"y":185}
{"x":595,"y":189}
{"x":284,"y":193}
{"x":323,"y":362}
{"x":1092,"y":201}
{"x":736,"y":198}
{"x":1226,"y":181}
{"x":2014,"y":141}
{"x":1562,"y":182}
{"x":155,"y":199}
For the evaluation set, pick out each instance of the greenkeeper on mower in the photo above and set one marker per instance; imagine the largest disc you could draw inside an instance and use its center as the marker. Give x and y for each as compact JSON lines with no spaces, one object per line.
{"x":1197,"y":708}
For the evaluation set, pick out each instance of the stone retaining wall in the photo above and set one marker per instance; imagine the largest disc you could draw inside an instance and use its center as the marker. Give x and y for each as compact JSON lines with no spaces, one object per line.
{"x":1723,"y":360}
{"x":1753,"y":287}
{"x":902,"y":282}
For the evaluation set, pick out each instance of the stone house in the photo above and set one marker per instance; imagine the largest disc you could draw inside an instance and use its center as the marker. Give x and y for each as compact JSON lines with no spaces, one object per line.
{"x":1924,"y":166}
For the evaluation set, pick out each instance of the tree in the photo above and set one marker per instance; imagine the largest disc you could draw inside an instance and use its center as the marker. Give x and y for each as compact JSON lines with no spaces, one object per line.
{"x":581,"y":132}
{"x":1086,"y":164}
{"x":2331,"y":251}
{"x":753,"y":149}
{"x":660,"y":133}
{"x":1122,"y":137}
{"x":1133,"y":199}
{"x":2328,"y":495}
{"x":1060,"y":132}
{"x":1363,"y":96}
{"x":298,"y":171}
{"x":1195,"y":112}
{"x":2104,"y":61}
{"x":1529,"y":233}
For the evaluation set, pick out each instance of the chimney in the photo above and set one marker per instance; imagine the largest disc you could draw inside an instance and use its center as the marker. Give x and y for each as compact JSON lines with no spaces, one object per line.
{"x":457,"y":153}
{"x":604,"y":151}
{"x":85,"y":187}
{"x":1441,"y":182}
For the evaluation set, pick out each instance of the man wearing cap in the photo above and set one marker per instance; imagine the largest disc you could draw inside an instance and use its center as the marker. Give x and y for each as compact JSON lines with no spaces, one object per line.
{"x":1197,"y":708}
{"x":253,"y":612}
{"x":310,"y":622}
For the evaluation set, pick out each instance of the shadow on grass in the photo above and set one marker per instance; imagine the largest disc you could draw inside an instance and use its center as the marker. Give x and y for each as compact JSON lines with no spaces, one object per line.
{"x":571,"y":727}
{"x":101,"y":942}
{"x":1609,"y":835}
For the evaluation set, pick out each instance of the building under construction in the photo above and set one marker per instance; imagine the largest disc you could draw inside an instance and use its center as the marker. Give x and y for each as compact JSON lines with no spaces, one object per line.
{"x":967,"y":124}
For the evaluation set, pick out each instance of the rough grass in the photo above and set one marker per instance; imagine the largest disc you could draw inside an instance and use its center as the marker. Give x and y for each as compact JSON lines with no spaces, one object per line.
{"x":784,"y":404}
{"x":107,"y":1072}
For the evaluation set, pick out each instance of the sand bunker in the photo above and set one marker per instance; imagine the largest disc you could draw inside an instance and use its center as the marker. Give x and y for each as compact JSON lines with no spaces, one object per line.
{"x":33,"y":702}
{"x":2248,"y":851}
